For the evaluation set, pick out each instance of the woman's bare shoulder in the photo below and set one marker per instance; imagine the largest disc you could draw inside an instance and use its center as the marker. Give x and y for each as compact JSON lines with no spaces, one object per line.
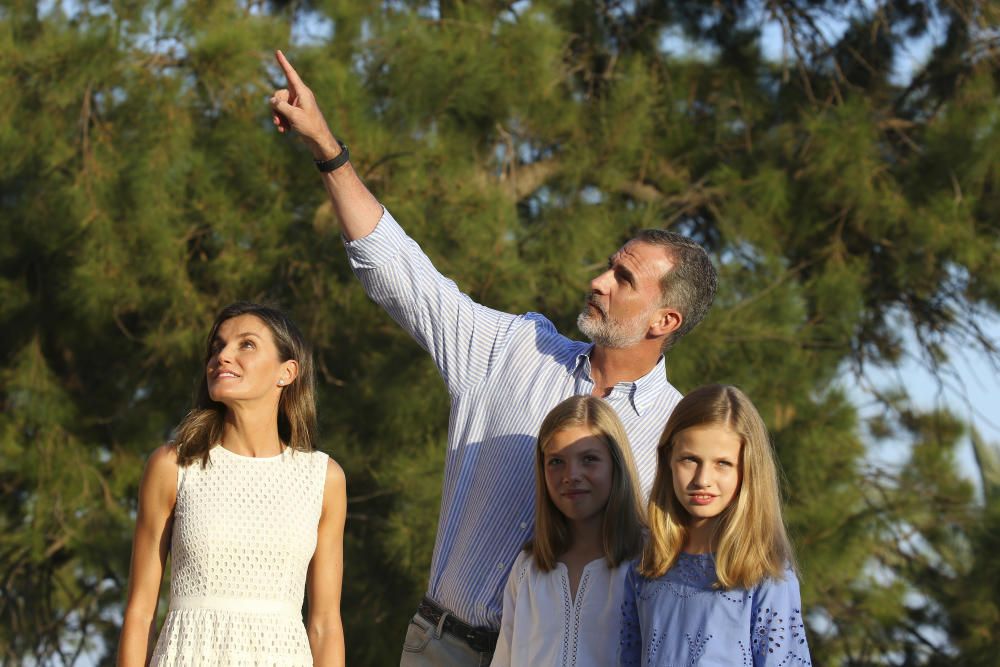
{"x":334,"y":473}
{"x":335,"y":487}
{"x":161,"y":470}
{"x":163,"y":457}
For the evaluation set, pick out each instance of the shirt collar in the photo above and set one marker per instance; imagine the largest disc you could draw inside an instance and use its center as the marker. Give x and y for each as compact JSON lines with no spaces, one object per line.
{"x":642,"y":392}
{"x":646,"y":389}
{"x":581,"y":361}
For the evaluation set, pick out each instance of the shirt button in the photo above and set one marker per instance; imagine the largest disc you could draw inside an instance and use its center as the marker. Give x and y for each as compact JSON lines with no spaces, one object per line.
{"x":499,"y":566}
{"x":524,"y":524}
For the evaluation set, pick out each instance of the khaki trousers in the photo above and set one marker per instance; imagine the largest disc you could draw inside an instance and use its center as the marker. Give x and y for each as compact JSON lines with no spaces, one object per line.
{"x":427,"y":646}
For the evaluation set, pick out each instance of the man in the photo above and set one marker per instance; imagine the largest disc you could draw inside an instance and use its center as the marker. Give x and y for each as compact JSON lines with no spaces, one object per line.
{"x":504,"y":372}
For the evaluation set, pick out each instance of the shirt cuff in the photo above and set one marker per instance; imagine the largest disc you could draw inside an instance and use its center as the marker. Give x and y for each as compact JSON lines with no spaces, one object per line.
{"x":377,"y":249}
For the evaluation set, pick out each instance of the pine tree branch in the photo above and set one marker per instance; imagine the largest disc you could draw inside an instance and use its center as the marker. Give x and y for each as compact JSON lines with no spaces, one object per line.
{"x":914,"y":630}
{"x":987,"y":458}
{"x":520,"y":182}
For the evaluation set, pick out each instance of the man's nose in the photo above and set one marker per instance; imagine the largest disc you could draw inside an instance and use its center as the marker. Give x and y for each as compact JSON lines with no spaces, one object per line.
{"x":601,"y":282}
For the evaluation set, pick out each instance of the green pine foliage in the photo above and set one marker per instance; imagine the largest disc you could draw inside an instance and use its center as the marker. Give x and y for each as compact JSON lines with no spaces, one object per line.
{"x":142,"y":187}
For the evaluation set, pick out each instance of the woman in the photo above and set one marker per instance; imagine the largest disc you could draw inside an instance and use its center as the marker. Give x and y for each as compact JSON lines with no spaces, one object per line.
{"x":252,"y":513}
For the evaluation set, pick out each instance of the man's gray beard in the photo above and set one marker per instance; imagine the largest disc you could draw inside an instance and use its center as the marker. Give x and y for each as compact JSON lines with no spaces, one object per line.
{"x":612,"y":334}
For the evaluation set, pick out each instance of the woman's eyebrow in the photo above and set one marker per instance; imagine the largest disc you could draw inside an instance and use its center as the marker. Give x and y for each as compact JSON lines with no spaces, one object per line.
{"x":243,"y":334}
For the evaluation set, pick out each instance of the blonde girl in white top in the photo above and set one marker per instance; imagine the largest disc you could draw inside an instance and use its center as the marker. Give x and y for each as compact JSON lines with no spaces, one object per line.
{"x":562,"y":603}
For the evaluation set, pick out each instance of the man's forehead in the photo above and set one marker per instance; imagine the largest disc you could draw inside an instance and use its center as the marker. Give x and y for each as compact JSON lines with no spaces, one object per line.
{"x":640,"y":252}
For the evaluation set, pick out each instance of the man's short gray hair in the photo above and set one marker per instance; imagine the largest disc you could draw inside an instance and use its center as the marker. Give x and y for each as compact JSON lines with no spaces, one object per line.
{"x":690,"y":285}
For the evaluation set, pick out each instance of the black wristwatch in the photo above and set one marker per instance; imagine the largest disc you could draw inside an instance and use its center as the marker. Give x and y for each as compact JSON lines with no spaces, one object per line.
{"x":342,"y":158}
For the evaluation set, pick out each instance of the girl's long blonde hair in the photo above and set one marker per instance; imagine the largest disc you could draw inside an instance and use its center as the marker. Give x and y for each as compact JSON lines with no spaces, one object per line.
{"x":750,"y":542}
{"x":623,"y":521}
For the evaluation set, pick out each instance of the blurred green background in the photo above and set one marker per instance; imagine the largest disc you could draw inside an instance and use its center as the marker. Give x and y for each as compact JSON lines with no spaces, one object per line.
{"x":838,"y":160}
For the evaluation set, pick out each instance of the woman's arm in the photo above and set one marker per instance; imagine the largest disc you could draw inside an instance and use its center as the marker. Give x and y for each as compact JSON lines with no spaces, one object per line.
{"x":326,"y":632}
{"x":157,"y":495}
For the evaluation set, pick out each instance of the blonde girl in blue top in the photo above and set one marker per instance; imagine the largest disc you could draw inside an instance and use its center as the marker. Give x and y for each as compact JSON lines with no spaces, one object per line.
{"x":562,"y":603}
{"x":716,"y":583}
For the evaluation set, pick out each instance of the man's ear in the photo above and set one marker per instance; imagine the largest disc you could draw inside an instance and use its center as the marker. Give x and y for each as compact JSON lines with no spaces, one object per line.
{"x":665,"y":322}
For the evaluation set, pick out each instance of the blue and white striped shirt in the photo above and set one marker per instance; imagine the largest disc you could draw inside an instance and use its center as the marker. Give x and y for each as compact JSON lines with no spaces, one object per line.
{"x":504,"y":373}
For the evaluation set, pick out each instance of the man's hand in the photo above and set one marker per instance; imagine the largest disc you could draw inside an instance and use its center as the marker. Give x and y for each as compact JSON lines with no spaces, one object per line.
{"x":295,"y":108}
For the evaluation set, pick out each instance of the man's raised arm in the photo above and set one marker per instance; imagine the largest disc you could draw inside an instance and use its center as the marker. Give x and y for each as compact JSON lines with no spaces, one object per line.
{"x":295,"y":108}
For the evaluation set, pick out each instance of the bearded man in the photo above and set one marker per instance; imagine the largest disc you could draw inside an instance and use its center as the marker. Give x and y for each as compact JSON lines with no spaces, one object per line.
{"x":504,"y":373}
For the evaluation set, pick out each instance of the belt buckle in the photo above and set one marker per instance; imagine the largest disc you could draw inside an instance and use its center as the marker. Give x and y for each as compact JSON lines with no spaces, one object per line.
{"x":473,"y":639}
{"x":480,"y":640}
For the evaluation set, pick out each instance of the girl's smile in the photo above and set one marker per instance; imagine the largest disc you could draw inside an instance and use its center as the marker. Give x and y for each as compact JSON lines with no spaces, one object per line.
{"x":578,"y":473}
{"x":701,"y":498}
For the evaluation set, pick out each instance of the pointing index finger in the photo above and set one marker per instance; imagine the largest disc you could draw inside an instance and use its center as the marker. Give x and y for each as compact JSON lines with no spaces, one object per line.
{"x":293,"y":77}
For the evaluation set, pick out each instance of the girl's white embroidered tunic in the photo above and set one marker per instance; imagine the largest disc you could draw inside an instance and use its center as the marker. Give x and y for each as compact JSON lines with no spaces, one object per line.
{"x":543,"y":624}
